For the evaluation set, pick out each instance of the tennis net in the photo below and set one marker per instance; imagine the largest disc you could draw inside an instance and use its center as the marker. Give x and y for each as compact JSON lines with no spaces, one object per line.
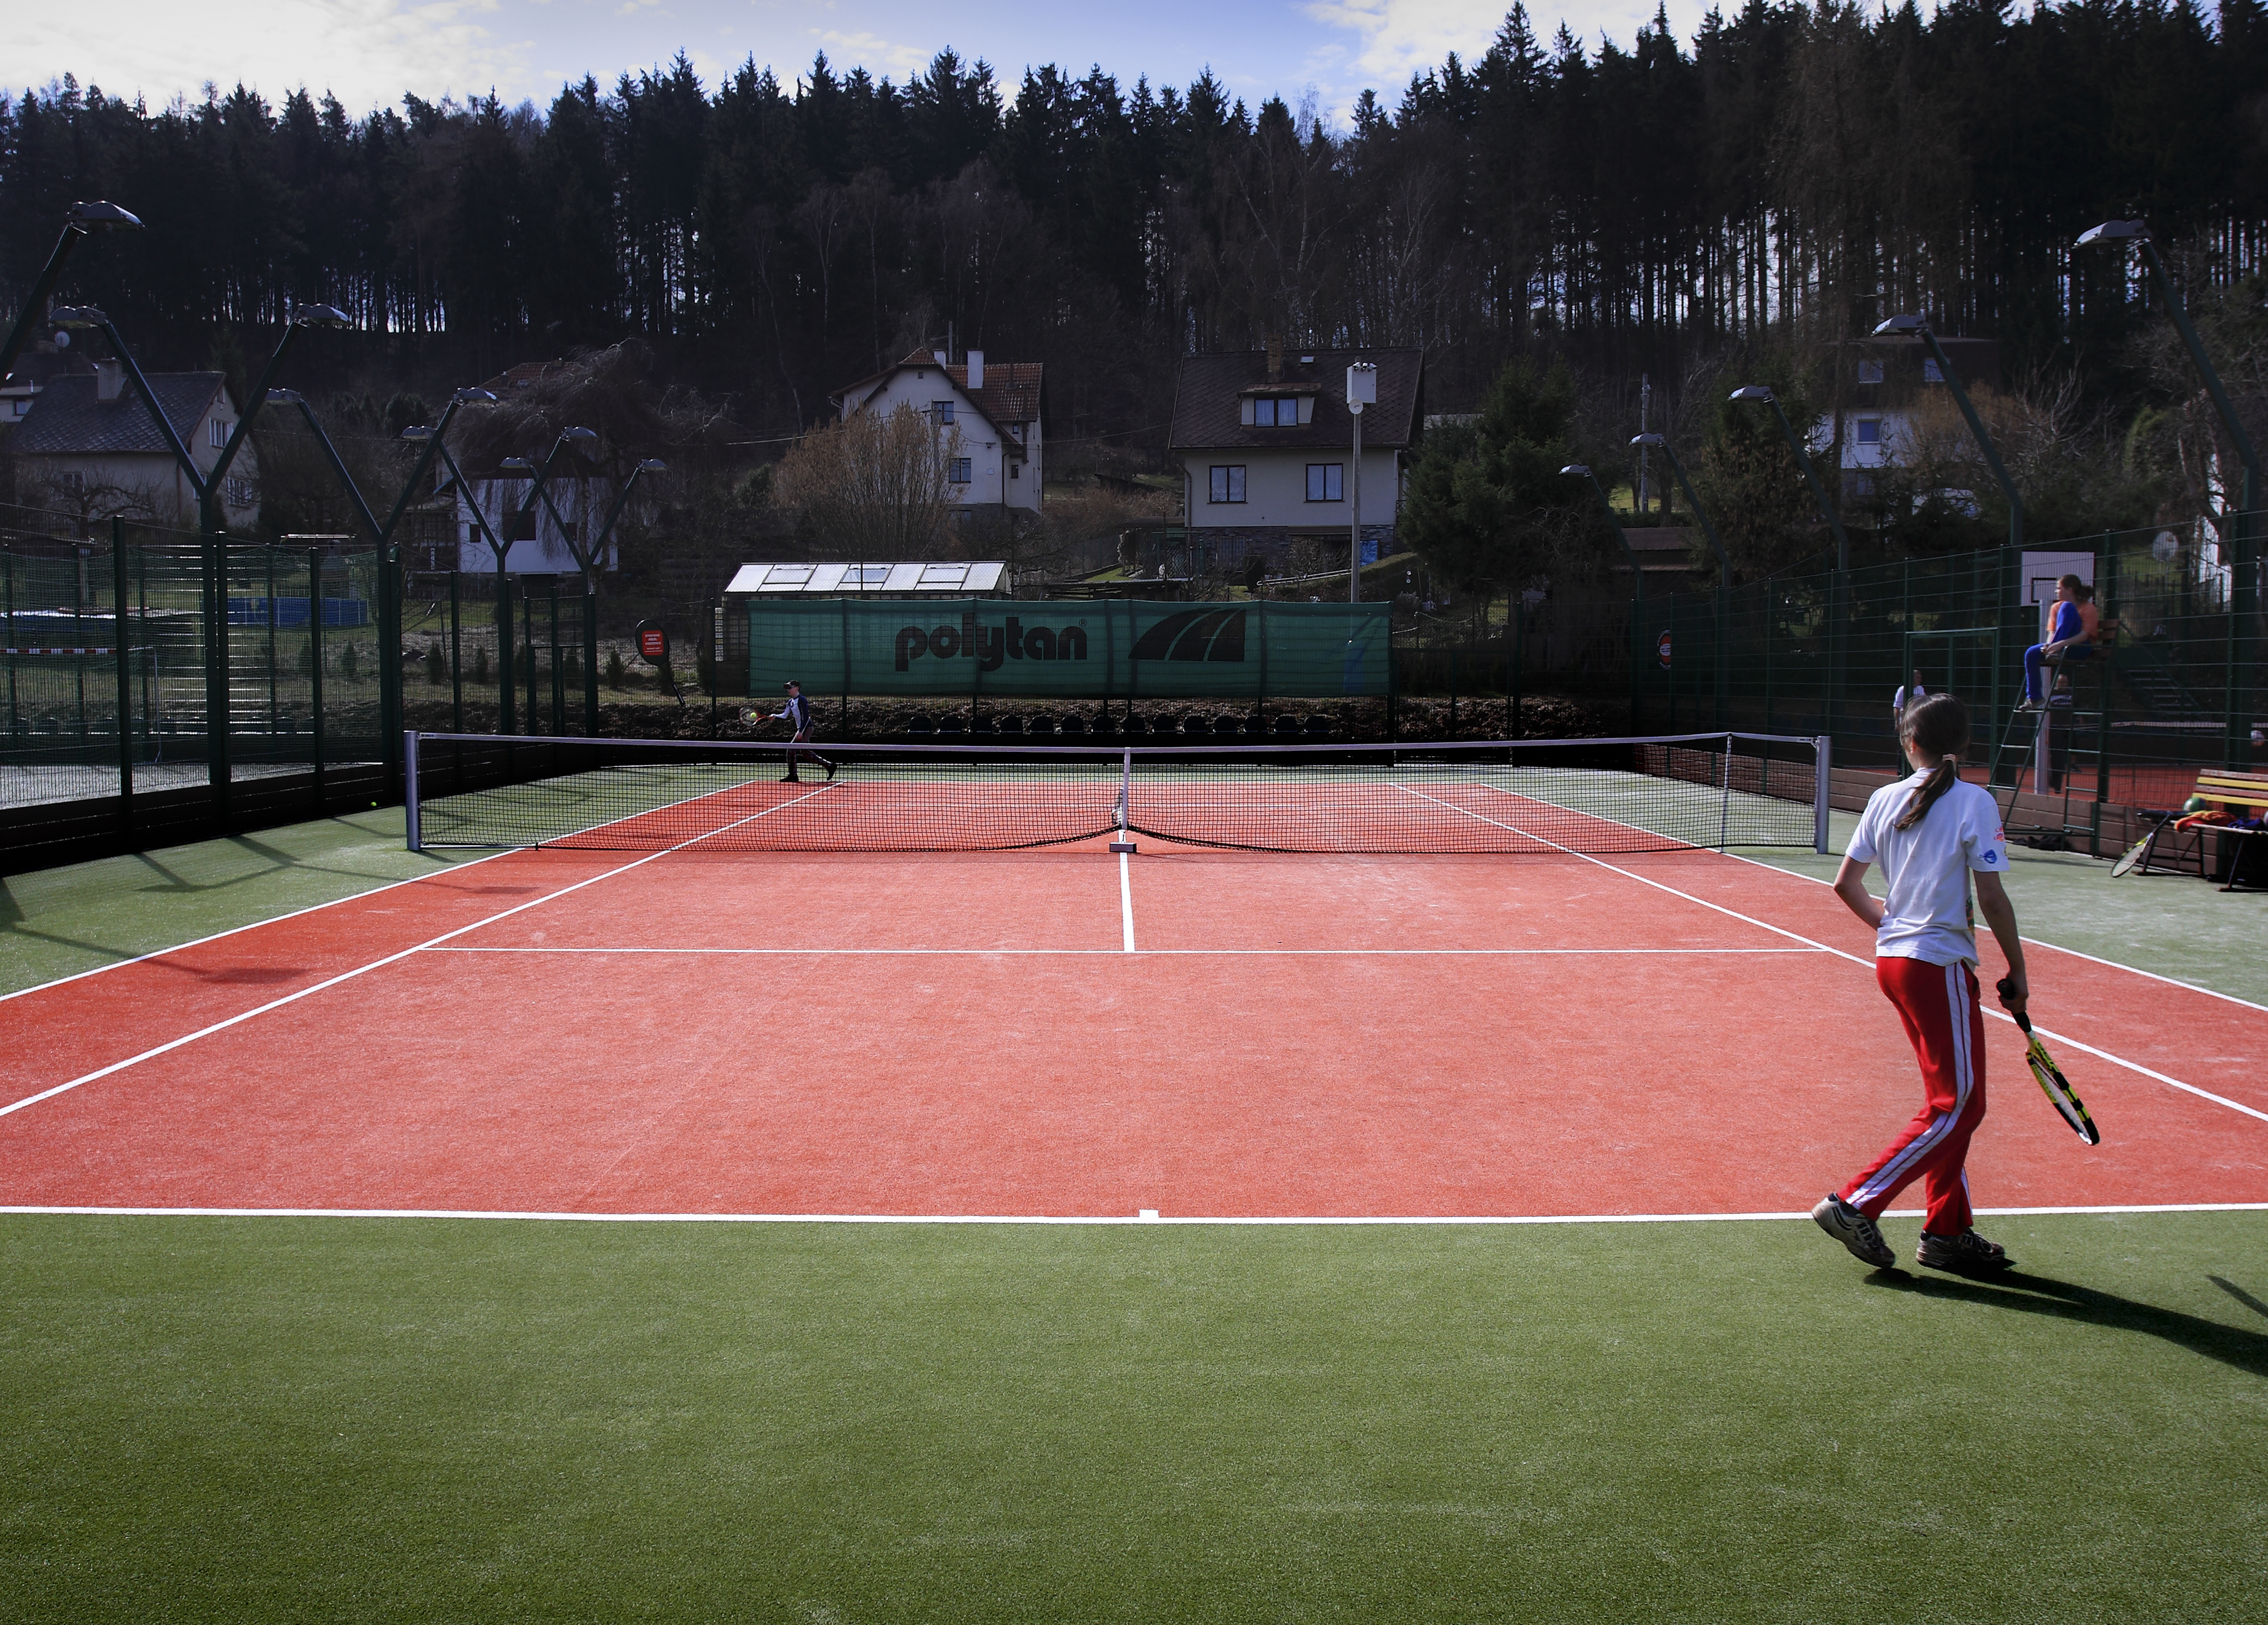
{"x":1625,"y":795}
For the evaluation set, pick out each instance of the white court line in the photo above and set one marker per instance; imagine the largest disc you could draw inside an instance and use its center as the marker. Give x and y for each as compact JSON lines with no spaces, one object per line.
{"x":1160,"y":953}
{"x":1255,"y":1221}
{"x":2060,"y":1037}
{"x":198,"y":942}
{"x":1126,"y":902}
{"x":2030,"y":942}
{"x":290,"y":998}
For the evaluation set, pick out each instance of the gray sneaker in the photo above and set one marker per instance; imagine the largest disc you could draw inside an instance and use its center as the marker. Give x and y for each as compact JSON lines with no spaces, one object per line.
{"x":1855,"y":1230}
{"x":1967,"y":1254}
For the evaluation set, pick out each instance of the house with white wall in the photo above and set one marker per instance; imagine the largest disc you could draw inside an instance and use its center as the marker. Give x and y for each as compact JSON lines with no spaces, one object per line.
{"x":1266,"y":442}
{"x":1888,"y":392}
{"x":88,"y":438}
{"x":991,"y":410}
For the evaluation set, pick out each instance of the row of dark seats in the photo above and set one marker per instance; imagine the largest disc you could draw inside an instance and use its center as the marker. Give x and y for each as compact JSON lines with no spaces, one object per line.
{"x":1195,"y":726}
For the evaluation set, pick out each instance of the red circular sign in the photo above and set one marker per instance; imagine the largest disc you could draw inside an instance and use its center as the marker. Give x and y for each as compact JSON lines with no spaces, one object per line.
{"x":651,"y":645}
{"x":1662,"y":647}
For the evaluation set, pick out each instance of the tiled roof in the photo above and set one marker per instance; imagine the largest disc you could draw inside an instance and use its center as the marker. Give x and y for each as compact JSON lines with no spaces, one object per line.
{"x":40,"y":367}
{"x":1011,"y":392}
{"x":1206,"y":396}
{"x":66,"y":419}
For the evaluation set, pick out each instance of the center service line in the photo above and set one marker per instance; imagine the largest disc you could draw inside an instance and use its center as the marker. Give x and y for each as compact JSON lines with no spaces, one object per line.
{"x":1126,"y":901}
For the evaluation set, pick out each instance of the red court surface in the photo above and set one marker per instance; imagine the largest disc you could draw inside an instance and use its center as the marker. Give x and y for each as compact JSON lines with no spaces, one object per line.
{"x":968,"y":1035}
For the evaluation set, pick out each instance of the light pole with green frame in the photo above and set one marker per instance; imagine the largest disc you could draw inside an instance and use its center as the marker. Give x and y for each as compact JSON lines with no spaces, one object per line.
{"x":2243,"y":587}
{"x":84,"y":220}
{"x":1919,"y":327}
{"x":586,"y":559}
{"x":1638,"y":584}
{"x":1661,"y":442}
{"x":1836,"y":630}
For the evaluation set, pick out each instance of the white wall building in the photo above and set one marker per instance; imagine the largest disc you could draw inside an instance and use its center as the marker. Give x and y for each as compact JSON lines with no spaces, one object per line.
{"x":89,"y":436}
{"x":995,"y":410}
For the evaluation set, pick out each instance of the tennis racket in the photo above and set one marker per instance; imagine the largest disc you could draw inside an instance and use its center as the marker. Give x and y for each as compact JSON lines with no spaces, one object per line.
{"x":2134,"y":854}
{"x":2052,"y":1082}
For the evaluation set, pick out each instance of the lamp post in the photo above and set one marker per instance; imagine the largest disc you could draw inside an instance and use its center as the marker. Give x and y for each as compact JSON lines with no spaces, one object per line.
{"x":2243,"y":585}
{"x":390,"y":577}
{"x":1638,"y":584}
{"x":1834,"y":610}
{"x":586,"y":559}
{"x":1661,"y":442}
{"x":208,"y":484}
{"x":1921,"y":328}
{"x":1758,"y":392}
{"x":84,"y":220}
{"x":522,"y":519}
{"x":1361,"y":391}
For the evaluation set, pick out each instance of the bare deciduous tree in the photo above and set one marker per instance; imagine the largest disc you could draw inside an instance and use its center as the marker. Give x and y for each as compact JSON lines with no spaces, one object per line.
{"x":874,"y":487}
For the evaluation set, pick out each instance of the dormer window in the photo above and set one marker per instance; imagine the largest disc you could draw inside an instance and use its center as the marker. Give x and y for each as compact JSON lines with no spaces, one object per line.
{"x":1275,"y":412}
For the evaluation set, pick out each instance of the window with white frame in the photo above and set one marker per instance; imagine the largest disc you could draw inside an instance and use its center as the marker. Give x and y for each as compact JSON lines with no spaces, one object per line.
{"x":943,"y":409}
{"x":218,"y":430}
{"x":959,"y":471}
{"x":1870,"y":373}
{"x":1326,"y":482}
{"x":1931,"y":372}
{"x":238,"y":491}
{"x":1275,"y":412}
{"x":1228,"y":483}
{"x":1870,"y":431}
{"x":74,"y":481}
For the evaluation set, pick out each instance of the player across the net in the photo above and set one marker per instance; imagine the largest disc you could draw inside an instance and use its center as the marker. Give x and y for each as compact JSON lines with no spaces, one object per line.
{"x":1624,"y":795}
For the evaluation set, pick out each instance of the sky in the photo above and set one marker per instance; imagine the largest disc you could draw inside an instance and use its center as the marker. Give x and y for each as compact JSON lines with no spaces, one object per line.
{"x":368,"y":51}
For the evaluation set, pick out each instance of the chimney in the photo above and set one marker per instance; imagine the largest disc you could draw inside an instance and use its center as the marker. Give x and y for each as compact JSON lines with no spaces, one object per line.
{"x":938,"y":355}
{"x":1275,"y":359}
{"x":975,"y":369}
{"x":109,"y":380}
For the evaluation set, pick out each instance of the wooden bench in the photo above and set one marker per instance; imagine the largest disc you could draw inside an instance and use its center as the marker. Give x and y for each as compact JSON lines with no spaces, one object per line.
{"x":2230,"y":790}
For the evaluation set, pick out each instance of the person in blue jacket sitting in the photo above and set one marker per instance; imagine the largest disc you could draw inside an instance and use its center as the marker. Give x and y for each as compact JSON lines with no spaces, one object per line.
{"x":2070,"y":622}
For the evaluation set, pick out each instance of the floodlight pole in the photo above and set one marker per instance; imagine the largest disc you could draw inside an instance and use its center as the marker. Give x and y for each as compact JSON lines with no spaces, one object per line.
{"x":496,"y":549}
{"x":2243,"y":570}
{"x":1836,"y":630}
{"x":1361,"y":391}
{"x":1638,"y":584}
{"x":84,"y":220}
{"x":586,"y":559}
{"x":1724,"y":567}
{"x":1920,"y":327}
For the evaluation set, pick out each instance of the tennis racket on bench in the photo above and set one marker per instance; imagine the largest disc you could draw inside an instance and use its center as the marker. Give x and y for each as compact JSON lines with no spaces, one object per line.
{"x":2051,"y":1080}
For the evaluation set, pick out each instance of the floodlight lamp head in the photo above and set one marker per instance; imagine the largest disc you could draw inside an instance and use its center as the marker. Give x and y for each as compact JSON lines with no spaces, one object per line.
{"x":1580,"y":470}
{"x":653,"y":464}
{"x":1902,"y":324}
{"x":76,"y":318}
{"x":470,"y":396}
{"x":516,"y":464}
{"x":101,"y":216}
{"x":320,"y":316}
{"x":1649,"y":439}
{"x":285,"y":397}
{"x":418,"y":431}
{"x":584,"y":436}
{"x":2114,"y":231}
{"x":1753,"y":391}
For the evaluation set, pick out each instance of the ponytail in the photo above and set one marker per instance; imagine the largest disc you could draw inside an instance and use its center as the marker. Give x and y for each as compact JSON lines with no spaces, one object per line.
{"x":1939,"y":727}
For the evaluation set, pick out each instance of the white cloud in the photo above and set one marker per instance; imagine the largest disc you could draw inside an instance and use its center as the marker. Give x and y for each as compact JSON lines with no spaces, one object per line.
{"x":367,"y":52}
{"x":1395,"y":39}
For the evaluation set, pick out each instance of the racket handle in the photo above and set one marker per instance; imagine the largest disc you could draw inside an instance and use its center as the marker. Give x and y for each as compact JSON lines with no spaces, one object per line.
{"x":2005,"y":988}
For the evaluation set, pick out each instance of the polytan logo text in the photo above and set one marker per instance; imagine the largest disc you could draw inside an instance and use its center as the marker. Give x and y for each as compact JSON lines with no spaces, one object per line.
{"x":990,"y":645}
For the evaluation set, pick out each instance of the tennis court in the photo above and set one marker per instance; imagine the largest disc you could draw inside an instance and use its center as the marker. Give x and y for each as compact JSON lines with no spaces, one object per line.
{"x":657,"y":1016}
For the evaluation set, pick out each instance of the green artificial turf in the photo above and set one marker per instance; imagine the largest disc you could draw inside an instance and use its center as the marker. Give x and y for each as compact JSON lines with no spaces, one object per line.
{"x":59,"y":922}
{"x":363,"y":1420}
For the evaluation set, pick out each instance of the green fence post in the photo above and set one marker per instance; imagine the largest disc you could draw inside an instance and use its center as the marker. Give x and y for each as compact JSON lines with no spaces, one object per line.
{"x":272,"y":729}
{"x":315,"y":664}
{"x":457,"y":652}
{"x":123,"y":659}
{"x":527,"y":637}
{"x":1513,"y":682}
{"x":842,"y":723}
{"x":558,"y":672}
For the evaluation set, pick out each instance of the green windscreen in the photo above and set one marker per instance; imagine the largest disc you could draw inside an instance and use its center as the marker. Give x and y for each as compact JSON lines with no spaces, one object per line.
{"x":1047,"y":649}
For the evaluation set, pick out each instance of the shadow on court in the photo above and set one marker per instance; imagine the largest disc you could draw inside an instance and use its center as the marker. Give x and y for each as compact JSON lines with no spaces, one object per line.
{"x":2247,"y":1350}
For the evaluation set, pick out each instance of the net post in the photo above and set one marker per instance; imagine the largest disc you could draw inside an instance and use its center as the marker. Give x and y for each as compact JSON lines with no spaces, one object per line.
{"x":1725,"y":807}
{"x":1823,"y":746}
{"x":1125,"y":842}
{"x":410,"y":809}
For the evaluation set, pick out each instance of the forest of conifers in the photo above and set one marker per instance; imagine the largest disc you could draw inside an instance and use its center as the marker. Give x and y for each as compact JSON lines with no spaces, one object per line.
{"x":1627,"y":207}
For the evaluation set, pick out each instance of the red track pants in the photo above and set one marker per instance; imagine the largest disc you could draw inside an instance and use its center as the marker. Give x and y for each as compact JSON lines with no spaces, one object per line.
{"x":1939,"y":1004}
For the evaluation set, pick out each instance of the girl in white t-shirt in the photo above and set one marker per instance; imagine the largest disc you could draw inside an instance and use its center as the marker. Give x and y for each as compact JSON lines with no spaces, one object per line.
{"x":1931,"y":834}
